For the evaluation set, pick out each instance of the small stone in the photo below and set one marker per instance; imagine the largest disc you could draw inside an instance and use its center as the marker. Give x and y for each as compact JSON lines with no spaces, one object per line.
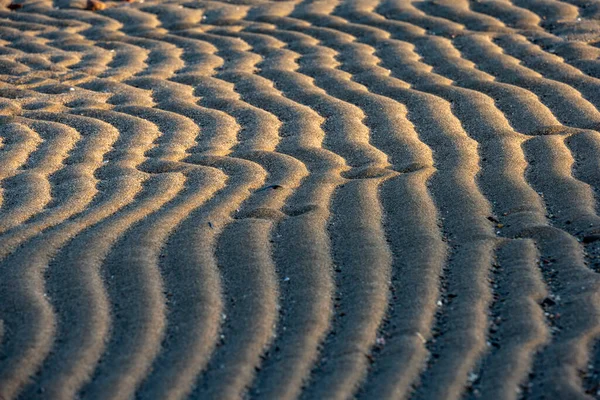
{"x":95,"y":5}
{"x":473,"y":377}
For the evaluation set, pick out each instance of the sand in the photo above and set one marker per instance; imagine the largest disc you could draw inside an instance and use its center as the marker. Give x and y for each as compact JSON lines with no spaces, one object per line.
{"x":371,"y":199}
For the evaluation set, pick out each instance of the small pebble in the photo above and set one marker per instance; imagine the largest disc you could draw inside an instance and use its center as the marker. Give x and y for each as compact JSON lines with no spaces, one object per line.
{"x":95,"y":5}
{"x":473,"y":377}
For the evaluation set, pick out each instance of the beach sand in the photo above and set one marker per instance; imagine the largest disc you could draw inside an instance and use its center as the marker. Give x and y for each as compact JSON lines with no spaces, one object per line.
{"x":371,"y":199}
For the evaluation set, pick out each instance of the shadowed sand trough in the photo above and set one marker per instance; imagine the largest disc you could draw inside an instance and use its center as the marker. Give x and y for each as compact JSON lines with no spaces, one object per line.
{"x":372,"y":199}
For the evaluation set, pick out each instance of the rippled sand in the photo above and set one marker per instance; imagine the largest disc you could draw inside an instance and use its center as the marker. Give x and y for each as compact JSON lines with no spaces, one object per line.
{"x":300,"y":199}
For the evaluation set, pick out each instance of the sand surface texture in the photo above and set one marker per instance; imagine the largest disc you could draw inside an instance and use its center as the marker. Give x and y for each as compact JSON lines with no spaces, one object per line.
{"x":380,"y":199}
